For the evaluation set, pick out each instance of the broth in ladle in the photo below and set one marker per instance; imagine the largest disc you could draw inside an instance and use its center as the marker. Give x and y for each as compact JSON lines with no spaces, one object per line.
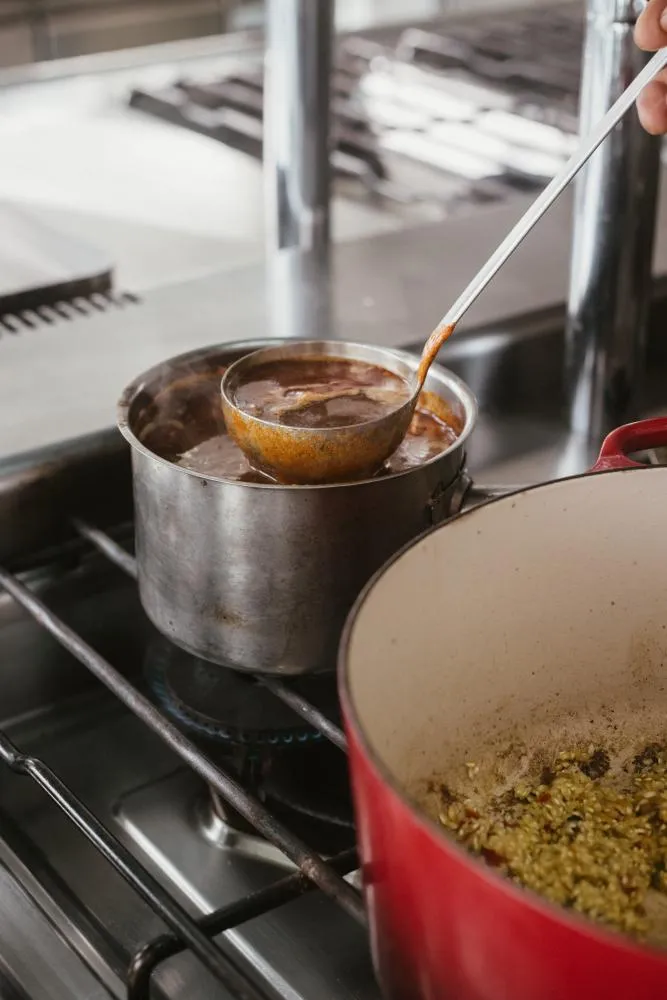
{"x":319,"y":392}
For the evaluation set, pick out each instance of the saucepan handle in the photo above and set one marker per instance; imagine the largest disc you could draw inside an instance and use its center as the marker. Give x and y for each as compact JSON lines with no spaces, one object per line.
{"x":620,"y":443}
{"x":460,"y":495}
{"x":471,"y":494}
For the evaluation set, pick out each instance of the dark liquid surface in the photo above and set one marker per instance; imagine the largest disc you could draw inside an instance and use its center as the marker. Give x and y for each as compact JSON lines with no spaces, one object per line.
{"x":320,"y":392}
{"x":220,"y":456}
{"x":184,"y":424}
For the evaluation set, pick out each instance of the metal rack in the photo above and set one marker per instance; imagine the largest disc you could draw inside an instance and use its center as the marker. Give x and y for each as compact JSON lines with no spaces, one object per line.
{"x":184,"y":931}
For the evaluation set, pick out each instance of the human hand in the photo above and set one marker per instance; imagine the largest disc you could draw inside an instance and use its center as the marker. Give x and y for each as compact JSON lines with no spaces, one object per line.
{"x":651,"y":35}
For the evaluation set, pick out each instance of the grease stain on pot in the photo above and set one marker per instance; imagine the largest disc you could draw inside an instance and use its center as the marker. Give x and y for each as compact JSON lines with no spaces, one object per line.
{"x":232,"y":618}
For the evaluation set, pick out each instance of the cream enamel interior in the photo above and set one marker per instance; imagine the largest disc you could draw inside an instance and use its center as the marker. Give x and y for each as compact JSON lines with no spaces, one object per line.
{"x":520,"y":627}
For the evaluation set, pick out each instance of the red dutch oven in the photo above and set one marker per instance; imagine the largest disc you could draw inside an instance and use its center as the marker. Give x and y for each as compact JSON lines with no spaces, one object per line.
{"x":516,"y":627}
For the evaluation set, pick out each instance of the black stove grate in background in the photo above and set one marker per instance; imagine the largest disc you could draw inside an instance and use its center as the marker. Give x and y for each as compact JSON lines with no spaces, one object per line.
{"x":184,"y":931}
{"x":22,"y":319}
{"x":465,"y":111}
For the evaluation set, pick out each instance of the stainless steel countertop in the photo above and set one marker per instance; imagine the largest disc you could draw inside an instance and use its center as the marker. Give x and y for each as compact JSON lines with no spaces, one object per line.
{"x":166,"y":203}
{"x":182,"y":216}
{"x":76,"y":28}
{"x":62,"y":381}
{"x":389,"y":289}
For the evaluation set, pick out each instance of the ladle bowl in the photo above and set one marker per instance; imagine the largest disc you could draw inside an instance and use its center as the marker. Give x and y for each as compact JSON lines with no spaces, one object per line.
{"x":315,"y":455}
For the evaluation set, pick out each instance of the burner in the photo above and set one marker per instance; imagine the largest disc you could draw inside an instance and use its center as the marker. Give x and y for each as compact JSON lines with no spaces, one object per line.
{"x":268,"y":747}
{"x":227,"y":706}
{"x":309,"y":791}
{"x":315,"y":784}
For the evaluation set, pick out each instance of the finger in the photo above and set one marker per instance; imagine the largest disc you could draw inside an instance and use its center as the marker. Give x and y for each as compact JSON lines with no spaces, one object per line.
{"x":650,"y":34}
{"x":652,"y":107}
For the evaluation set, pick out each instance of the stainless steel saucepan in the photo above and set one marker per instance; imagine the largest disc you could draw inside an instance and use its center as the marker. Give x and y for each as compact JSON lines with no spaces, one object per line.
{"x":257,"y":576}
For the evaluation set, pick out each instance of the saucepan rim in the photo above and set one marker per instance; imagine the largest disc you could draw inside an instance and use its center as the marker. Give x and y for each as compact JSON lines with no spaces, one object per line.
{"x":461,"y":390}
{"x":419,"y":817}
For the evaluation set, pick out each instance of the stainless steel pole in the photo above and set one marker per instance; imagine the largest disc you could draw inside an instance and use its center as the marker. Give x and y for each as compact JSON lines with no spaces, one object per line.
{"x":296,"y":165}
{"x":612,"y":244}
{"x":296,"y":122}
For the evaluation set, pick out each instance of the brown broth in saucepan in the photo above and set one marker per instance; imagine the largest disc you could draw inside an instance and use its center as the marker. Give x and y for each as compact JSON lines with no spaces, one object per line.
{"x":320,"y":392}
{"x":220,"y":456}
{"x":184,"y":424}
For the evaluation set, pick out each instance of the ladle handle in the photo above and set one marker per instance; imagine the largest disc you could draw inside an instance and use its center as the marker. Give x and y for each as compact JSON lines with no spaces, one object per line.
{"x":585,"y":149}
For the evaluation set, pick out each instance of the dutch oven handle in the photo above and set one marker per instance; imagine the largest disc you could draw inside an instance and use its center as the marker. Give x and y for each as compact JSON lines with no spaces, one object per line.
{"x":640,"y":436}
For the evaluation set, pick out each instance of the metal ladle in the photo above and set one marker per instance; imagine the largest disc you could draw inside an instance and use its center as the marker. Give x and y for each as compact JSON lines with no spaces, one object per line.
{"x":337,"y":454}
